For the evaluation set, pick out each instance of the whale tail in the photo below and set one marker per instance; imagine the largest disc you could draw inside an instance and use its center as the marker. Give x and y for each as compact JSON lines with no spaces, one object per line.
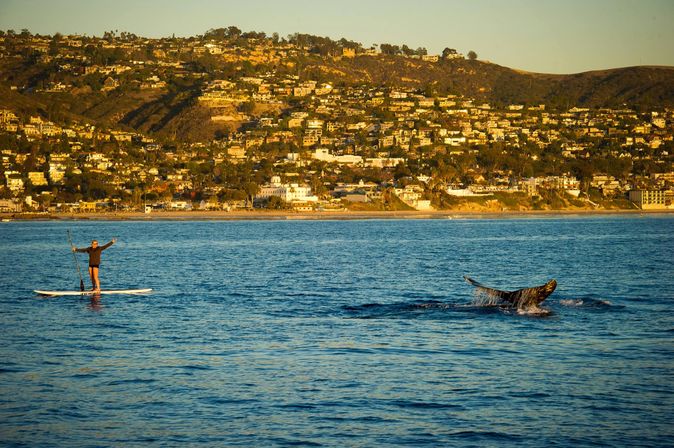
{"x":520,"y":299}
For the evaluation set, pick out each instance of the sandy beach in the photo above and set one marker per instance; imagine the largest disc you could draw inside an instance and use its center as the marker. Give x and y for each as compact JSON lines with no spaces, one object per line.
{"x":322,"y":215}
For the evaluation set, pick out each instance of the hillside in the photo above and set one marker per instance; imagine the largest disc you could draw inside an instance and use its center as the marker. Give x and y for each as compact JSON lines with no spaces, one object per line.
{"x":644,"y":87}
{"x":63,"y":81}
{"x":639,"y":87}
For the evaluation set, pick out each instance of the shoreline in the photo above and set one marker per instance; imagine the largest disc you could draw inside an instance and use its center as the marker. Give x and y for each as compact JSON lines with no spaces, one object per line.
{"x":264,"y":215}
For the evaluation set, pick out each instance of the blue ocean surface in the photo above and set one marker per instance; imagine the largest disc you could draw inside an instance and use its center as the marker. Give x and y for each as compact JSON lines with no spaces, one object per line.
{"x":340,"y":333}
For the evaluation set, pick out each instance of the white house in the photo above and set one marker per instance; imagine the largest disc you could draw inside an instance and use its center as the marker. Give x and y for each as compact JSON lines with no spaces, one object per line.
{"x":324,"y":155}
{"x":288,"y":192}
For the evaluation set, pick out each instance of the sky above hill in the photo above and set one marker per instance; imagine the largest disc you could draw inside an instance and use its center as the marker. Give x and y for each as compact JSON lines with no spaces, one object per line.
{"x":549,"y":36}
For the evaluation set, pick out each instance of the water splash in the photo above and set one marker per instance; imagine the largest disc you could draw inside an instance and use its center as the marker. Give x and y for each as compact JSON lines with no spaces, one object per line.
{"x":528,"y":299}
{"x":486,"y":297}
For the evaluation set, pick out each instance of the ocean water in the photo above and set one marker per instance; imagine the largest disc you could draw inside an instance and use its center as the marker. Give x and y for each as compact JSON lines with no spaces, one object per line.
{"x":340,"y":333}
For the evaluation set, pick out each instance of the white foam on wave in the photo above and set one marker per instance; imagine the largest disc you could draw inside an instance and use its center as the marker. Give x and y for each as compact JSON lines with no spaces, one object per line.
{"x":533,"y":311}
{"x":583,"y":302}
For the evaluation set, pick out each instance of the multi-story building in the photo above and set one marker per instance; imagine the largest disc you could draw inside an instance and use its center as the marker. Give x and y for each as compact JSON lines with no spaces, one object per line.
{"x":648,"y":199}
{"x":288,"y":192}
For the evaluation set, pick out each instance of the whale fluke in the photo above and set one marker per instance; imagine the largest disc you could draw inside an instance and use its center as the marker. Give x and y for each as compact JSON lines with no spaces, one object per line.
{"x":521,"y":299}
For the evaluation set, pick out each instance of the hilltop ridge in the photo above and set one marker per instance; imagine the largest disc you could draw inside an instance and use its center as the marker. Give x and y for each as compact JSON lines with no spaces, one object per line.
{"x":153,"y":85}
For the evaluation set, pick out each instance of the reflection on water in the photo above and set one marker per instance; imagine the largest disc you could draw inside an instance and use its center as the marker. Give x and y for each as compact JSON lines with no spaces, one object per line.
{"x":95,"y":302}
{"x":359,"y":333}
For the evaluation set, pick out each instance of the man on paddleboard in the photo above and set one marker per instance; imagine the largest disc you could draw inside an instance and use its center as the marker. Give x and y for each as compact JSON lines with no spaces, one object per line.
{"x":94,"y":252}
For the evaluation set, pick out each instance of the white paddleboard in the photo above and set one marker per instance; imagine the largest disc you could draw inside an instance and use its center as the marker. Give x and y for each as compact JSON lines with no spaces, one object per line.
{"x":93,"y":293}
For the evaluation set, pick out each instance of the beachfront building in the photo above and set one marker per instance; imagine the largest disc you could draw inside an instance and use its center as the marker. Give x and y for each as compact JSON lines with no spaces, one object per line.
{"x":9,"y":205}
{"x":412,"y":196}
{"x":648,"y":199}
{"x":292,"y":193}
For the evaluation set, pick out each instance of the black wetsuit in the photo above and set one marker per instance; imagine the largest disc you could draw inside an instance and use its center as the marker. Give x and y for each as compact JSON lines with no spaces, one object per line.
{"x":95,"y":254}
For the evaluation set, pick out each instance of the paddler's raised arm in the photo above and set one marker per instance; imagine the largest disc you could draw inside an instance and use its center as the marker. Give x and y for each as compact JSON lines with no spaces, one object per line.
{"x":114,"y":240}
